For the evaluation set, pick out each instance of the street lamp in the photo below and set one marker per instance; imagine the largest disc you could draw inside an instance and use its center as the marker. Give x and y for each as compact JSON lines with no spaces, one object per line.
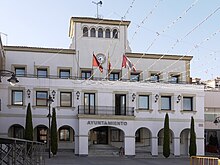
{"x":217,"y":120}
{"x":49,"y":101}
{"x":12,"y":80}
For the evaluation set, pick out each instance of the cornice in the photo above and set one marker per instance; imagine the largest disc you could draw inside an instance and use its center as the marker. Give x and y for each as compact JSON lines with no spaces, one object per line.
{"x":38,"y":49}
{"x":159,"y":56}
{"x":99,"y":21}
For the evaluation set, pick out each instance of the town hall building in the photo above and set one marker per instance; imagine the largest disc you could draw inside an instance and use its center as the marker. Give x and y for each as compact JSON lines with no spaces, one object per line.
{"x":103,"y":93}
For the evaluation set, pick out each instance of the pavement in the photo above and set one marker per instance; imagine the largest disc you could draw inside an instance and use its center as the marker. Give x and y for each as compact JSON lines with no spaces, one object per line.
{"x":71,"y":159}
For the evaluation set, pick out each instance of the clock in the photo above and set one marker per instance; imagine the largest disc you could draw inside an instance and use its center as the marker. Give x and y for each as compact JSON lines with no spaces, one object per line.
{"x":101,"y":58}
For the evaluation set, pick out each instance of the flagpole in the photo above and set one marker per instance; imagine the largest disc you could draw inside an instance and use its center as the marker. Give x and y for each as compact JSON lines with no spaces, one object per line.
{"x":78,"y":65}
{"x":107,"y":67}
{"x":92,"y":62}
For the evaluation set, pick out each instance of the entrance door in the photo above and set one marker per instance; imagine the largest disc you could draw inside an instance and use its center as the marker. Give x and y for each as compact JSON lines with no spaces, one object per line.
{"x":102,"y":135}
{"x":120,"y":104}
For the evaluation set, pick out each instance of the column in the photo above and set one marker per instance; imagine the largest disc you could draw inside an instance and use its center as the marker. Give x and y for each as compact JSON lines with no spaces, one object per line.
{"x":76,"y":147}
{"x":200,"y":146}
{"x":154,"y":146}
{"x":129,"y":146}
{"x":176,"y":146}
{"x":83,"y":145}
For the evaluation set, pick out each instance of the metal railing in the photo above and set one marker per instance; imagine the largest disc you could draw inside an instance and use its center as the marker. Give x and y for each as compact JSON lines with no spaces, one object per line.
{"x":18,"y":151}
{"x":105,"y":110}
{"x":102,"y":79}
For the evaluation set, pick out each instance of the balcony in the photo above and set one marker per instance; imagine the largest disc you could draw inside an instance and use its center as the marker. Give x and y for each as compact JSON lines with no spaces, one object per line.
{"x":105,"y":110}
{"x":147,"y":80}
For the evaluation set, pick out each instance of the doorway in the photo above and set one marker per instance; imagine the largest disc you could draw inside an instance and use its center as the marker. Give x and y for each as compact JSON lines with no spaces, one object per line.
{"x":101,"y":135}
{"x":120,"y":104}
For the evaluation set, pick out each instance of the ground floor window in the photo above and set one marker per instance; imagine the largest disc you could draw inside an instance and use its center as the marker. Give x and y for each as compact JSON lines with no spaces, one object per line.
{"x":117,"y":135}
{"x":18,"y":132}
{"x":42,"y":134}
{"x":138,"y":136}
{"x":64,"y":134}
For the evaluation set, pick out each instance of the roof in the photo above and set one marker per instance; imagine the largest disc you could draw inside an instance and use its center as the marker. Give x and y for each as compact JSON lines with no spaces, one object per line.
{"x":95,"y":21}
{"x":39,"y":49}
{"x":159,"y":56}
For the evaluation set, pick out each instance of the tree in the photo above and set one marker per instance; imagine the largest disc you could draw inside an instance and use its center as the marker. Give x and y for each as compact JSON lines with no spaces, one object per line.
{"x":28,"y":134}
{"x":166,"y":137}
{"x":54,"y":144}
{"x":192,"y":145}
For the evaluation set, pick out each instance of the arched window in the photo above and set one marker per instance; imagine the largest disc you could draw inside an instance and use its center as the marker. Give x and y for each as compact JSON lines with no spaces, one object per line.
{"x":85,"y":32}
{"x":92,"y":32}
{"x":100,"y":33}
{"x":115,"y":33}
{"x":107,"y":33}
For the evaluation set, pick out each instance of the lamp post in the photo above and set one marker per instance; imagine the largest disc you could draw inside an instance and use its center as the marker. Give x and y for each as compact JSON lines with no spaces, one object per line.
{"x":12,"y":80}
{"x":49,"y":101}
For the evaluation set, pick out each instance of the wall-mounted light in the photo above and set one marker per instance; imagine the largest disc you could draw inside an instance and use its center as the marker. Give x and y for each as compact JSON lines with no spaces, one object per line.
{"x":156,"y":98}
{"x":217,"y":120}
{"x":29,"y":93}
{"x":53,"y":93}
{"x":77,"y":95}
{"x":133,"y":97}
{"x":178,"y":98}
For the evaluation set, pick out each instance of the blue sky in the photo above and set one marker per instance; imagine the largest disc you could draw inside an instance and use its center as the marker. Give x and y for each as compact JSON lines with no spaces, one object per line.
{"x":188,"y":29}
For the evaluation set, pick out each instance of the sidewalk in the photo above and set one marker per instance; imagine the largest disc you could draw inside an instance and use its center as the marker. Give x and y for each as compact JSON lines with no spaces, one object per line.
{"x":70,"y":158}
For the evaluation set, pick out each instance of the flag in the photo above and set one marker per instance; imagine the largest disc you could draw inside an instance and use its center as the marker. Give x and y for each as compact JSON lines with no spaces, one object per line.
{"x":109,"y":64}
{"x":95,"y":62}
{"x":127,"y":63}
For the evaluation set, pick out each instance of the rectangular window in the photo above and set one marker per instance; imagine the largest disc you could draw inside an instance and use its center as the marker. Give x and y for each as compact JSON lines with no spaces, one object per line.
{"x":135,"y":77}
{"x":117,"y":135}
{"x":20,"y":71}
{"x":65,"y":99}
{"x":42,"y":73}
{"x":41,"y":98}
{"x":64,"y":73}
{"x":174,"y":78}
{"x":114,"y":76}
{"x":86,"y":75}
{"x":89,"y":103}
{"x":188,"y":103}
{"x":165,"y":102}
{"x":154,"y":77}
{"x":64,"y":134}
{"x":17,"y":97}
{"x":143,"y":102}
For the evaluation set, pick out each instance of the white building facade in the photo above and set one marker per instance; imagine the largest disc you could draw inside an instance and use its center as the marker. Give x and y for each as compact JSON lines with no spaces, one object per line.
{"x":212,"y":119}
{"x":117,"y":107}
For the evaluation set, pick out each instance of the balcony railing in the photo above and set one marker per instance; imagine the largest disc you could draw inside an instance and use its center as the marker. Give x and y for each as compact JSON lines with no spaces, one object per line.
{"x":103,"y":79}
{"x":105,"y":110}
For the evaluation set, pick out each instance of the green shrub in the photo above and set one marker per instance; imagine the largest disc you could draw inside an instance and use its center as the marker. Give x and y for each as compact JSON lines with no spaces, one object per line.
{"x":166,"y":138}
{"x":54,"y":144}
{"x":192,"y":145}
